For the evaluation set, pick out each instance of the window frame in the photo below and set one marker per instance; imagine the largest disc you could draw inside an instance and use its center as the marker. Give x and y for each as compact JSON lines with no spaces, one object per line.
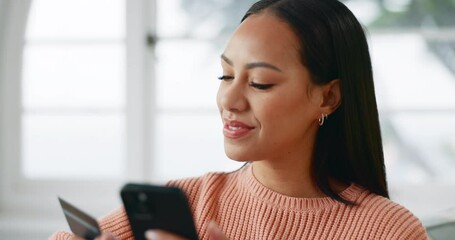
{"x":25,"y":197}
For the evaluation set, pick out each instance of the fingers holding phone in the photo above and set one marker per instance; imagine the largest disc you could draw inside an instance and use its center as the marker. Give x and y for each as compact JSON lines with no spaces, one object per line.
{"x":156,"y":234}
{"x":213,"y":230}
{"x":103,"y":236}
{"x":106,"y":236}
{"x":151,"y":207}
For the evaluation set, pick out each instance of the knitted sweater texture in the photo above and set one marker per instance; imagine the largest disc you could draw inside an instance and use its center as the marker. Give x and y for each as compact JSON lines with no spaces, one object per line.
{"x":245,"y":209}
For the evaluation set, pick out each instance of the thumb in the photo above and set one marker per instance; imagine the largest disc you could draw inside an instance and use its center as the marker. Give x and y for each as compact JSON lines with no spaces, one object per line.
{"x":215,"y":232}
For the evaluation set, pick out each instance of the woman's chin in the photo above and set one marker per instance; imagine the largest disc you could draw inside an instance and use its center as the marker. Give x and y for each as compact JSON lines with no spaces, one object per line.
{"x":240,"y":156}
{"x":242,"y":152}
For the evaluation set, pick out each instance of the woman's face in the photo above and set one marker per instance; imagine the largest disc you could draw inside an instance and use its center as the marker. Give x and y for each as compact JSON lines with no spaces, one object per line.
{"x":267,"y":103}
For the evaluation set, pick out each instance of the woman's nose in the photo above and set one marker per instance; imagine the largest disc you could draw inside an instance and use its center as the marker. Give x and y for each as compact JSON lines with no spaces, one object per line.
{"x":231,"y":96}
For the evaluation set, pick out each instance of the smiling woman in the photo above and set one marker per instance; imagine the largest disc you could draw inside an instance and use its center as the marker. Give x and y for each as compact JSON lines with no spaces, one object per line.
{"x":265,"y":89}
{"x":298,"y":106}
{"x":169,"y":127}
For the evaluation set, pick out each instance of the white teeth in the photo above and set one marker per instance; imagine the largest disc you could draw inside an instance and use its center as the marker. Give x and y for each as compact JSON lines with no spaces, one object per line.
{"x":234,"y":128}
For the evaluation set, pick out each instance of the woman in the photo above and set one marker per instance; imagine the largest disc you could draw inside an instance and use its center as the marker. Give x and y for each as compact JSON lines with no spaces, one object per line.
{"x":297,"y":102}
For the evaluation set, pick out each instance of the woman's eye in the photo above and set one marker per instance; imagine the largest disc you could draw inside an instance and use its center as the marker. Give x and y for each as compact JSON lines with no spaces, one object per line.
{"x":260,"y":86}
{"x":225,"y":78}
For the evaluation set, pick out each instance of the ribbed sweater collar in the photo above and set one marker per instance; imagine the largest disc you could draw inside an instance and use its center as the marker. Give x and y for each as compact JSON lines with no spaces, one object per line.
{"x":250,"y":185}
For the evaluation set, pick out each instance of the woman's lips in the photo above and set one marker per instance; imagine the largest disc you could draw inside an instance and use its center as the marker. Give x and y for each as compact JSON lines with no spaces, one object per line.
{"x":236,"y":129}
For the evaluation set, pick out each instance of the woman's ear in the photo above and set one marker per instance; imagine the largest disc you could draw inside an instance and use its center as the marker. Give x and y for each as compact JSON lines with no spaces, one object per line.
{"x":331,"y":96}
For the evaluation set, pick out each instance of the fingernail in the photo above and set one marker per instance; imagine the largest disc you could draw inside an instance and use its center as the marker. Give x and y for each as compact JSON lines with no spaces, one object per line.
{"x":150,"y":235}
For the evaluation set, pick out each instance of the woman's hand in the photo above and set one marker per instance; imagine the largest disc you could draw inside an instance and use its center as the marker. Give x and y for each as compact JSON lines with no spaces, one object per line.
{"x":104,"y":236}
{"x":212,"y":229}
{"x":215,"y":232}
{"x":156,"y":234}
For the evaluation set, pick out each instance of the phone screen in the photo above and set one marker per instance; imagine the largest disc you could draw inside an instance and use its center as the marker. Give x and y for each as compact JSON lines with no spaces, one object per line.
{"x":158,"y":207}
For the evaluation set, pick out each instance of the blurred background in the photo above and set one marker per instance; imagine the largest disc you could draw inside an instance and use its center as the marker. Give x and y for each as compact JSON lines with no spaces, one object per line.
{"x":95,"y":93}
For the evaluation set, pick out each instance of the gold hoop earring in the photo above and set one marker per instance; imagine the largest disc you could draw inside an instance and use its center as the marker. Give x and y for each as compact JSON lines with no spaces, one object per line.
{"x":323,"y":118}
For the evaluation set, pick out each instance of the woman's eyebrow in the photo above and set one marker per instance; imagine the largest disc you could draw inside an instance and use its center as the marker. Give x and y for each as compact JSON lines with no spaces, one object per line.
{"x":252,"y":65}
{"x":227,"y":60}
{"x":262,"y":64}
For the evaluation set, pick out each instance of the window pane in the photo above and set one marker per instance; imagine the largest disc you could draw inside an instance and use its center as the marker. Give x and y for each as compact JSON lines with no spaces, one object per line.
{"x":366,"y":11}
{"x":200,"y":19}
{"x":74,"y":76}
{"x":415,"y":91}
{"x":190,"y":146}
{"x":420,"y":147}
{"x":189,"y":80}
{"x":409,"y":75}
{"x":75,"y":19}
{"x":73,"y":90}
{"x":413,"y":52}
{"x":88,"y":147}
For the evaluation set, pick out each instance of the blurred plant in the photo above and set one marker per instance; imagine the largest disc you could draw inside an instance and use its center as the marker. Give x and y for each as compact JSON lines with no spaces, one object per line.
{"x":418,"y":13}
{"x":425,"y":14}
{"x":449,"y":148}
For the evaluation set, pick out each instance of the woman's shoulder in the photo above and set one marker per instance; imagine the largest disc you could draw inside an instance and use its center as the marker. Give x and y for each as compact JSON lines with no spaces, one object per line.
{"x":374,"y":204}
{"x":393,"y":218}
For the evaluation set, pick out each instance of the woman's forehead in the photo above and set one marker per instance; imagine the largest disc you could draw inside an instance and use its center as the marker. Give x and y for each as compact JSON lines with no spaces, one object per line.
{"x":264,"y":36}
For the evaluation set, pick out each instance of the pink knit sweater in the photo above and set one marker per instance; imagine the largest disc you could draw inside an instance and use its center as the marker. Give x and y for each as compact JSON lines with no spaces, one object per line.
{"x":245,"y":209}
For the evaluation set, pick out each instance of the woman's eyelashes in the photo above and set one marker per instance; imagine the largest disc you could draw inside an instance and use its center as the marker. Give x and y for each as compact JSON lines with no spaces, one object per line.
{"x":225,"y":78}
{"x":251,"y":84}
{"x":260,"y":86}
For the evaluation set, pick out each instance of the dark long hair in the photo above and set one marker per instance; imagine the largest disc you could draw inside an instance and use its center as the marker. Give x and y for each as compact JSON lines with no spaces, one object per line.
{"x":348,"y":146}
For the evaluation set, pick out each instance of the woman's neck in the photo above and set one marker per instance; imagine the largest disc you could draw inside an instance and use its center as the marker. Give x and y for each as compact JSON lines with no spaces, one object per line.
{"x":291,"y":178}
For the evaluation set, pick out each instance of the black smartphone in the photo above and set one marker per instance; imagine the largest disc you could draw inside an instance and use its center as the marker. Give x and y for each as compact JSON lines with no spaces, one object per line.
{"x":81,"y":224}
{"x":157,"y":207}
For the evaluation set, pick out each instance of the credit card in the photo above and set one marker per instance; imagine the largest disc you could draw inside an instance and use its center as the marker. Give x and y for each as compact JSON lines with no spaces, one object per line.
{"x":81,"y":224}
